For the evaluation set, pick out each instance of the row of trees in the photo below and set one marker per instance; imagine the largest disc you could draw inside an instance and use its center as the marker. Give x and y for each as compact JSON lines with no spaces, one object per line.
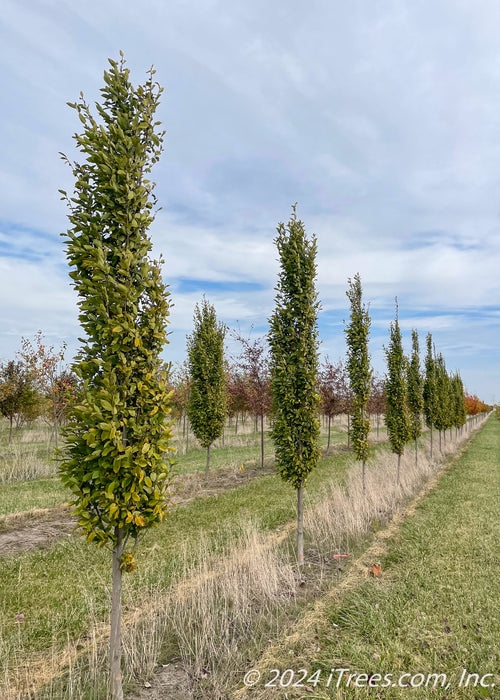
{"x":118,"y":439}
{"x":248,"y":389}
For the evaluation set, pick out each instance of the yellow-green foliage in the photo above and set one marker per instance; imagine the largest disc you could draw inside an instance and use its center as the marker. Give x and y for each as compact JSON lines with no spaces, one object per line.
{"x":116,"y":462}
{"x":358,"y":366}
{"x":396,"y":417}
{"x":294,"y":355}
{"x":207,"y":405}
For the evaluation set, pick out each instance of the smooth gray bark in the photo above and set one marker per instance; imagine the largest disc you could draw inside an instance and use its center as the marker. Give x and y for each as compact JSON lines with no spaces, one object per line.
{"x":115,"y":639}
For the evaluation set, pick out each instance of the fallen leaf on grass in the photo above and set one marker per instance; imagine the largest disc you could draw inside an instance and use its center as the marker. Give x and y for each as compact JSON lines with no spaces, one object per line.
{"x":376,"y":570}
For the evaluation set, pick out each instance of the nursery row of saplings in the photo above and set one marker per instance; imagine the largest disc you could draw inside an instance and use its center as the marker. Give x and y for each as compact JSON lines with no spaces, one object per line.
{"x":118,"y":439}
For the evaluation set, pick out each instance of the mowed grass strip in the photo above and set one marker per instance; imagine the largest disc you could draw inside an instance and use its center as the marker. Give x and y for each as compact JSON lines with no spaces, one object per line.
{"x":63,"y":591}
{"x":433,"y":610}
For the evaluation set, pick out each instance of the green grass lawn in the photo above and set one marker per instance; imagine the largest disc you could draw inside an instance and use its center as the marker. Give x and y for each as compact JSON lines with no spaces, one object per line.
{"x":435,"y":608}
{"x":63,"y":590}
{"x":23,"y":494}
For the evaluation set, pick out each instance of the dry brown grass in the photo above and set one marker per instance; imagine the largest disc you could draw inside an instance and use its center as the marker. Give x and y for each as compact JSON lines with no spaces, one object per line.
{"x":229,"y":602}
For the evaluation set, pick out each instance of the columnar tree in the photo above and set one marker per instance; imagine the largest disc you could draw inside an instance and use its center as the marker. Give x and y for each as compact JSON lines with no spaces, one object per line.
{"x":459,"y":410}
{"x":293,"y":342}
{"x":358,"y":367}
{"x":396,"y":416}
{"x":207,"y":405}
{"x":429,"y":392}
{"x":415,"y":392}
{"x":443,"y":399}
{"x":118,"y":437}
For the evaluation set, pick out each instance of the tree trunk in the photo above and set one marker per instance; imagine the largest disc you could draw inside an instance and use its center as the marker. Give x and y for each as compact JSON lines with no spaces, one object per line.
{"x":363,"y":472}
{"x":208,"y":461}
{"x":10,"y":429}
{"x":416,"y":452}
{"x":236,"y":425}
{"x":262,"y":440}
{"x":431,"y":440}
{"x":329,"y":424}
{"x":300,"y":525}
{"x":378,"y":423}
{"x":222,"y":437}
{"x":115,"y":640}
{"x":187,"y":435}
{"x":398,"y":481}
{"x":440,"y":441}
{"x":348,"y":431}
{"x":54,"y":414}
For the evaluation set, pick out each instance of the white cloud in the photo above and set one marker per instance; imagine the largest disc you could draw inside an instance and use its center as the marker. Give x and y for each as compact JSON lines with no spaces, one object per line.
{"x":380,"y":119}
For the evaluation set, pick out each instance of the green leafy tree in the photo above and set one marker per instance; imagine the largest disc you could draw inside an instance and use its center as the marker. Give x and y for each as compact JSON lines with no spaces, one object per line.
{"x":396,"y":416}
{"x":359,"y":370}
{"x":18,"y":395}
{"x":293,"y":343}
{"x":118,"y":435}
{"x":459,"y":410}
{"x":207,"y":405}
{"x":430,"y":397}
{"x":415,"y":382}
{"x":444,"y":404}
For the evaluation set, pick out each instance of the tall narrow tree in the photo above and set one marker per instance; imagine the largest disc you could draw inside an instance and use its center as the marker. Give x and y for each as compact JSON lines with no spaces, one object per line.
{"x":358,"y":367}
{"x":293,"y":343}
{"x":443,"y":419}
{"x":118,"y":438}
{"x":207,"y":405}
{"x":396,"y":417}
{"x":458,"y":401}
{"x":429,"y":392}
{"x":415,"y":392}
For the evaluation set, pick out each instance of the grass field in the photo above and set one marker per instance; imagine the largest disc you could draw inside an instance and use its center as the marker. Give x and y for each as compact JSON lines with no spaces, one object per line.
{"x":214,"y":585}
{"x":433,"y":610}
{"x":28,"y":468}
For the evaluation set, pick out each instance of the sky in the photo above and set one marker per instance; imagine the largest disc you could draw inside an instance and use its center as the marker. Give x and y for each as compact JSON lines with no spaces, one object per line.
{"x":380,"y":119}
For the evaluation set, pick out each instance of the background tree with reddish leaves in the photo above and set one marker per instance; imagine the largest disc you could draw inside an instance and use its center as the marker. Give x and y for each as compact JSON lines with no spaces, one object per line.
{"x":237,"y":403}
{"x":45,"y":365}
{"x":254,"y":367}
{"x":377,"y":400}
{"x":18,"y":394}
{"x":331,"y":391}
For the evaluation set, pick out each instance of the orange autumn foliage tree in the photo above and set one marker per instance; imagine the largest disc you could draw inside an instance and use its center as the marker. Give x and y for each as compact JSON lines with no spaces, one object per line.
{"x":474,"y":405}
